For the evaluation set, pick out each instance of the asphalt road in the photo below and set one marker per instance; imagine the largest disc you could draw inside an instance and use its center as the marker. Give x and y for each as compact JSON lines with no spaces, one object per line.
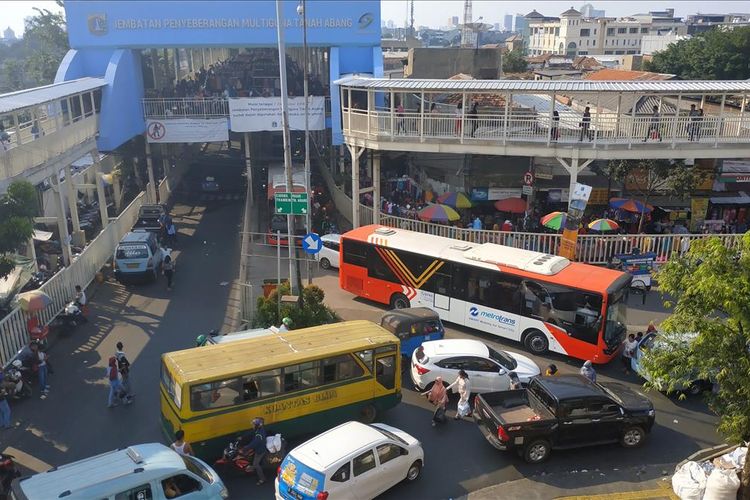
{"x":74,"y":422}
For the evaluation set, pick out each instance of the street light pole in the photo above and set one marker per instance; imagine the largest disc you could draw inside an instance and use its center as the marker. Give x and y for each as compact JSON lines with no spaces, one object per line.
{"x":287,"y":145}
{"x":301,"y":7}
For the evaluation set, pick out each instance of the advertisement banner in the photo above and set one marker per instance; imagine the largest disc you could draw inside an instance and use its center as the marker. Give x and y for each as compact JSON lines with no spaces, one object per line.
{"x":187,"y":130}
{"x":698,"y":209}
{"x":502,"y":193}
{"x":578,"y":200}
{"x":255,"y":114}
{"x":479,"y":194}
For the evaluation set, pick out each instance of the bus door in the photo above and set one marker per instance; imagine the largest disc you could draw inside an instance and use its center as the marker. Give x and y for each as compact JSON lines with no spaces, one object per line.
{"x":387,"y":368}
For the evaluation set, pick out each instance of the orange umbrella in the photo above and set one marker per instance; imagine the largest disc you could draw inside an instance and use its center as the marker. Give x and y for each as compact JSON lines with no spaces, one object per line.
{"x":512,"y":205}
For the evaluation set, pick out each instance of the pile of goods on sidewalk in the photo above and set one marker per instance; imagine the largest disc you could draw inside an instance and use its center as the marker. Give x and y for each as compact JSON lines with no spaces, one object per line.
{"x":711,"y":479}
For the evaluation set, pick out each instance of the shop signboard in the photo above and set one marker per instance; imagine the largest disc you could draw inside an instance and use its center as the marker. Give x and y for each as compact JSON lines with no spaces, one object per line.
{"x":494,"y":193}
{"x":698,"y":209}
{"x":479,"y":194}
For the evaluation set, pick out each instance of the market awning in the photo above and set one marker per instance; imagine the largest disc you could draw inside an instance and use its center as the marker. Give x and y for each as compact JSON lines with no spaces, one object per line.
{"x":741,"y":199}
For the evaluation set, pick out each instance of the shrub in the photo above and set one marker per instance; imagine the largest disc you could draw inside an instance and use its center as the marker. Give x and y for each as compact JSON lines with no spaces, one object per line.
{"x":313,"y":313}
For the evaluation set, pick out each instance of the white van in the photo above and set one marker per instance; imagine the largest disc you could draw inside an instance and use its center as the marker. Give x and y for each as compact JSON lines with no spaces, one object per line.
{"x":351,"y":461}
{"x":141,"y":472}
{"x":329,"y":252}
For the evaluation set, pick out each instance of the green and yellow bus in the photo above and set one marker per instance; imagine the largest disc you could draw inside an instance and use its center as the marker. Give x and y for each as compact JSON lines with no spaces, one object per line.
{"x":300,"y":382}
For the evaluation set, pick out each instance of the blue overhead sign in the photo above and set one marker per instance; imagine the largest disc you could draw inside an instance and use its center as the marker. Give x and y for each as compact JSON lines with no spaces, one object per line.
{"x":311,"y":243}
{"x":222,"y":23}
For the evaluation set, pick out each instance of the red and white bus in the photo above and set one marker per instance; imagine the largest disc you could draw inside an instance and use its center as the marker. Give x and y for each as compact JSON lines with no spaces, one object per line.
{"x":544,"y":301}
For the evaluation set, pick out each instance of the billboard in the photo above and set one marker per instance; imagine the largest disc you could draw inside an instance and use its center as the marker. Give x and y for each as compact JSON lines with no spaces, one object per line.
{"x":577,"y":205}
{"x":187,"y":130}
{"x":255,"y":114}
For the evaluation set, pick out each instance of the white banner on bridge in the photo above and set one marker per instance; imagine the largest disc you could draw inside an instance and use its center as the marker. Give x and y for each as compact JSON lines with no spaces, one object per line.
{"x":187,"y":130}
{"x":254,"y":114}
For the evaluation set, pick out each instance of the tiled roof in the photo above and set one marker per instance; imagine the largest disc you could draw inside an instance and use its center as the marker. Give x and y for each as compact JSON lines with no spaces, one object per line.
{"x":622,"y":75}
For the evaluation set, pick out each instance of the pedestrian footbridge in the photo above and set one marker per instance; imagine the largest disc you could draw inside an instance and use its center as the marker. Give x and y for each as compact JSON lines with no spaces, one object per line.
{"x":587,"y":120}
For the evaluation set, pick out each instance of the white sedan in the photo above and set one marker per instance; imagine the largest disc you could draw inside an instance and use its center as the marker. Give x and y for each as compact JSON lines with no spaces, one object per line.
{"x":487,"y":368}
{"x":329,"y":253}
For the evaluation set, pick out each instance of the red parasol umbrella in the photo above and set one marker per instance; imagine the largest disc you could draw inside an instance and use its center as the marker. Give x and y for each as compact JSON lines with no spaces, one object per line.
{"x":512,"y":205}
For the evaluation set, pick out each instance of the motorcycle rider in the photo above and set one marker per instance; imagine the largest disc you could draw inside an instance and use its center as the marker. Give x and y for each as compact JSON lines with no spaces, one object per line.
{"x":258,"y":446}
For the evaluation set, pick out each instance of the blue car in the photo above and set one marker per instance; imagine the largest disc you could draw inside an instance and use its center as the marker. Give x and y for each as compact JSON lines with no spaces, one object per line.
{"x":413,"y":325}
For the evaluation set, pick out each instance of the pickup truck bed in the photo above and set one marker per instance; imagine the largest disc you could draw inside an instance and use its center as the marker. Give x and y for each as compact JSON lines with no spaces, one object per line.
{"x":512,"y":407}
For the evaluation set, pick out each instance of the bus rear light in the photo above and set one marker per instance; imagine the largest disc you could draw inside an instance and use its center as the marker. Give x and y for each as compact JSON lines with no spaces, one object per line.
{"x":502,"y":435}
{"x":421,"y":369}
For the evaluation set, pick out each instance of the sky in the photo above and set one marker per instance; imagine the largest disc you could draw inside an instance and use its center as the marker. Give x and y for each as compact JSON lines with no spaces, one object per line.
{"x":435,"y":13}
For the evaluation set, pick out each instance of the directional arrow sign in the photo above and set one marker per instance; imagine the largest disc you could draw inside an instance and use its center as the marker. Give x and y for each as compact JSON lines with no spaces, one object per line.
{"x":290,"y":203}
{"x":311,"y":243}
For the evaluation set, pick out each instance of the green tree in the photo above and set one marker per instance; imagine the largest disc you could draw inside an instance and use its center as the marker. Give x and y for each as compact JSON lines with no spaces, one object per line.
{"x":514,"y":62}
{"x":18,"y":206}
{"x":714,"y":55}
{"x":314,"y":312}
{"x":45,"y":32}
{"x":13,"y":76}
{"x":646,"y":178}
{"x":710,"y":285}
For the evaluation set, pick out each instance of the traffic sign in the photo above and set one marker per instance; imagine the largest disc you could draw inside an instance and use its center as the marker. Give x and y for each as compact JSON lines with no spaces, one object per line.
{"x":290,"y":203}
{"x":527,"y":190}
{"x":311,"y":243}
{"x":528,"y":178}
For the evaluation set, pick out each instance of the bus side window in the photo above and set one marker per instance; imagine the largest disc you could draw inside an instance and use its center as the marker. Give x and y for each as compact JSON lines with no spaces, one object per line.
{"x":386,"y":371}
{"x":366,"y":357}
{"x":355,"y":252}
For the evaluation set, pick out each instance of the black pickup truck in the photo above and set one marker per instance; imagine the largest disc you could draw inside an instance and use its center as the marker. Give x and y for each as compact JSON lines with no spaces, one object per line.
{"x":566,"y":411}
{"x":150,"y":218}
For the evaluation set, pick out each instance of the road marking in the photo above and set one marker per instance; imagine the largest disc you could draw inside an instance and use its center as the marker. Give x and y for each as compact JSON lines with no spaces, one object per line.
{"x":26,"y":460}
{"x":654,"y":494}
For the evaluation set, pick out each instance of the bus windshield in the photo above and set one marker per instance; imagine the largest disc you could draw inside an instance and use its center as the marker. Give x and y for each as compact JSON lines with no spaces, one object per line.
{"x":614,"y":330}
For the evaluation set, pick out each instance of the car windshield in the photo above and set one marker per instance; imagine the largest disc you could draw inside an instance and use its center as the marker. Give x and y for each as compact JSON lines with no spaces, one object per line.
{"x":389,"y":435}
{"x":132,"y":252}
{"x":197,"y":468}
{"x":506,"y":361}
{"x":614,"y":331}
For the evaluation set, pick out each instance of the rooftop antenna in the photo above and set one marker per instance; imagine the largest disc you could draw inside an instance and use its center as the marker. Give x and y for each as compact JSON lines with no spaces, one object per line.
{"x":466,"y":32}
{"x":411,"y":20}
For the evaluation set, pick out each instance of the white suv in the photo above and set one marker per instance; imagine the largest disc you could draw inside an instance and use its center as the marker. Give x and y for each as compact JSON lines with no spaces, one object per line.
{"x":487,"y":368}
{"x":329,"y":254}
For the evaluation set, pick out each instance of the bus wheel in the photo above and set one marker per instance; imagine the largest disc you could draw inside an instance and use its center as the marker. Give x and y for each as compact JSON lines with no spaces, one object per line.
{"x":536,"y":342}
{"x":399,"y":301}
{"x":367,"y":414}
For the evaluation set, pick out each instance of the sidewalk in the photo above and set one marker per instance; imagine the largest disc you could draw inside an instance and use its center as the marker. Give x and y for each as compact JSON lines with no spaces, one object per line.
{"x":644,"y":482}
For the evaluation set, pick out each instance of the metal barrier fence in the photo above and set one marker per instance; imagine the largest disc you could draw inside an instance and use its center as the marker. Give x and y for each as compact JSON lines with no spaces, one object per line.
{"x":61,"y":287}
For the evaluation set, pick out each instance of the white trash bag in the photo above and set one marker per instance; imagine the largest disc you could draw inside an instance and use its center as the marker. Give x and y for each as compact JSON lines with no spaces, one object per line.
{"x":273,"y":443}
{"x":722,"y":484}
{"x":689,"y":481}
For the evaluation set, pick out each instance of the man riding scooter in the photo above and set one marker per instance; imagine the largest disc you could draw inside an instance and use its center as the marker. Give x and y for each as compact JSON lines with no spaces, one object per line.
{"x":258,"y":446}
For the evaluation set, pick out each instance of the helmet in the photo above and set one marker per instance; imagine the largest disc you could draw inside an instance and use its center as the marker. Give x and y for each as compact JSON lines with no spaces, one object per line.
{"x":200,"y":340}
{"x":287,"y":321}
{"x":257,"y":421}
{"x":17,"y":363}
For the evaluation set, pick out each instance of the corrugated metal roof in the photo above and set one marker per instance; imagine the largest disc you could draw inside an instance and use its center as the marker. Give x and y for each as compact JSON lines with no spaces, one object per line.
{"x":41,"y":95}
{"x":531,"y":86}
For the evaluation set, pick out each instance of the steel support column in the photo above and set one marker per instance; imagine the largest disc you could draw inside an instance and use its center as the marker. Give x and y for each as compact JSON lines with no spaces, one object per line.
{"x":376,"y":187}
{"x":151,"y":191}
{"x":356,"y":153}
{"x":78,"y":237}
{"x":100,"y":188}
{"x":573,"y":168}
{"x":62,"y":220}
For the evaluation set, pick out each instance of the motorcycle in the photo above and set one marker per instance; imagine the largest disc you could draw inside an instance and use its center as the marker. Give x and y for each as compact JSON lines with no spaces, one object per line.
{"x":16,"y":385}
{"x":243,"y":462}
{"x":69,"y":318}
{"x":8,"y":472}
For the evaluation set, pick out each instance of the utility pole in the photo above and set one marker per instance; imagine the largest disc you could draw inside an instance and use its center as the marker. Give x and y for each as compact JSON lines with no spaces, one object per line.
{"x":308,"y":219}
{"x":287,"y":146}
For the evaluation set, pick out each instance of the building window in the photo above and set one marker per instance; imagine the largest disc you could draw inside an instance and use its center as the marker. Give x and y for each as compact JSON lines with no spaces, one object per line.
{"x":619,"y":52}
{"x":632,"y":52}
{"x":607,"y":52}
{"x":610,"y":31}
{"x":633,"y":30}
{"x":594,"y":43}
{"x":557,"y":31}
{"x":595,"y":31}
{"x":644,"y":30}
{"x":585,"y":32}
{"x":622,"y":30}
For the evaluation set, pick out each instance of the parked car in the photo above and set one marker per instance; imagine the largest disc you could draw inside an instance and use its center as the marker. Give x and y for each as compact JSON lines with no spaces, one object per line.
{"x":138,"y":255}
{"x":566,"y":411}
{"x":413,"y":325}
{"x":150,"y":218}
{"x":487,"y":368}
{"x":693,"y":385}
{"x":352,"y":461}
{"x":329,"y":254}
{"x":144,"y":471}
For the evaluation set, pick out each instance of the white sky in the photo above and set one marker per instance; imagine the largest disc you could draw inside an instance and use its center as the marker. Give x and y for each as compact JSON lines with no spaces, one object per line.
{"x":13,"y":13}
{"x":435,"y":13}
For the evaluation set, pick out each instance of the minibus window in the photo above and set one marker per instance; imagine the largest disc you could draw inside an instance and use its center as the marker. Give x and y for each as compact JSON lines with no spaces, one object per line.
{"x":142,"y":492}
{"x":366,"y":357}
{"x":170,"y":386}
{"x":386,"y":371}
{"x":214,"y":395}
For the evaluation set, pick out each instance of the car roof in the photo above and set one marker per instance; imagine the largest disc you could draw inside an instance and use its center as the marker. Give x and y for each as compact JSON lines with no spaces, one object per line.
{"x":456,"y":347}
{"x":570,"y":386}
{"x":326,"y":449}
{"x":136,"y":237}
{"x":331,"y":237}
{"x":86,"y":478}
